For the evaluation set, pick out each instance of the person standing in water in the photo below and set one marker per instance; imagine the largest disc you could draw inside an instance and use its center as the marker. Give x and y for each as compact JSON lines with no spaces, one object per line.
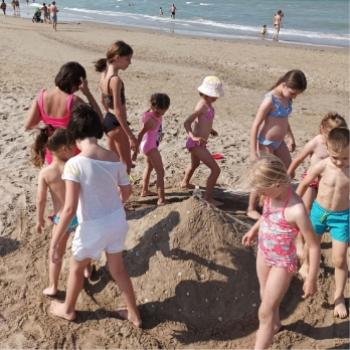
{"x":173,"y":11}
{"x":277,"y":23}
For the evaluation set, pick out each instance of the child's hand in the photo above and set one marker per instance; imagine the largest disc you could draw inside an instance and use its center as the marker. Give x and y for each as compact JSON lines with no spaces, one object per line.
{"x":201,"y":140}
{"x":83,"y":87}
{"x":213,"y":133}
{"x":309,"y":288}
{"x":134,"y":156}
{"x":291,"y":145}
{"x":291,"y":174}
{"x":249,"y":238}
{"x":40,"y":225}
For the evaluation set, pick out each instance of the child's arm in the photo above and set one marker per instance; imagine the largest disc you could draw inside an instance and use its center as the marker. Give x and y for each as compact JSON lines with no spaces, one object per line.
{"x":260,"y":117}
{"x":69,"y":210}
{"x":125,"y":192}
{"x":291,"y":144}
{"x":251,"y":235}
{"x":41,"y":202}
{"x":146,"y":126}
{"x":199,"y":110}
{"x":306,"y":151}
{"x":304,"y":225}
{"x":312,"y":174}
{"x":33,"y":116}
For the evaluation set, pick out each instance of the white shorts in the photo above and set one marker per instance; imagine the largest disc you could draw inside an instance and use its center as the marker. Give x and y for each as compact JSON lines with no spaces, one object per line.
{"x":93,"y":237}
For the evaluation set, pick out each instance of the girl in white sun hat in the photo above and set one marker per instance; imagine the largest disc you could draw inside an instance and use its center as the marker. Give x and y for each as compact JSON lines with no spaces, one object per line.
{"x":199,"y":125}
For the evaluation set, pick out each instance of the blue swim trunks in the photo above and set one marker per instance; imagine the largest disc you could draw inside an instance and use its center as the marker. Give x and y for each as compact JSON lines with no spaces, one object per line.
{"x":336,"y":222}
{"x":72,"y":225}
{"x":273,"y":144}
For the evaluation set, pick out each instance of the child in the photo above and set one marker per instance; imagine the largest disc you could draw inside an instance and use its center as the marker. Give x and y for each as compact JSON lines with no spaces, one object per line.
{"x":317,"y":150}
{"x":50,"y":179}
{"x":202,"y":119}
{"x":330,"y":210}
{"x":263,"y":31}
{"x":149,"y":138}
{"x":92,"y":180}
{"x":116,"y":127}
{"x":272,"y":117}
{"x":284,"y":215}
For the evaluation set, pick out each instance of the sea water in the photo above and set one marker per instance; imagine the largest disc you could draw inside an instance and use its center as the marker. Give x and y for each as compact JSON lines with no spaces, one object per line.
{"x":321,"y":22}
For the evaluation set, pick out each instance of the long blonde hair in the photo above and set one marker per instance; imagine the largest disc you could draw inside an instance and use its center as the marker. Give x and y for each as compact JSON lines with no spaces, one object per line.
{"x":268,"y":171}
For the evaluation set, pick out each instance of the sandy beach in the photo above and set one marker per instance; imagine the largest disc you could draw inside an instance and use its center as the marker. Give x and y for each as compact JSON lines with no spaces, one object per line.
{"x":195,"y":283}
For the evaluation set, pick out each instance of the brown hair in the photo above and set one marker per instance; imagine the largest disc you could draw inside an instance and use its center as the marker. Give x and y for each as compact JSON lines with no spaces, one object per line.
{"x":268,"y":171}
{"x":159,"y":100}
{"x":332,"y":120}
{"x":50,"y":138}
{"x":70,"y":77}
{"x":295,"y":79}
{"x":338,"y":139}
{"x":119,"y":48}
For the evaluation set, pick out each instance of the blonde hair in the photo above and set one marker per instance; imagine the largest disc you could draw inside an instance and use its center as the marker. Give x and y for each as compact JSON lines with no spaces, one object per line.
{"x":332,"y":120}
{"x":268,"y":171}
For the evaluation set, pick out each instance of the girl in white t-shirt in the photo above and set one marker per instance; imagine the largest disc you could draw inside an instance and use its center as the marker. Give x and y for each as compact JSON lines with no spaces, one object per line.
{"x":92,"y":179}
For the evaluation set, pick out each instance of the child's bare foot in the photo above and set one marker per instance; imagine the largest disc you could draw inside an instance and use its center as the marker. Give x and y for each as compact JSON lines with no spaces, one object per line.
{"x":50,"y":291}
{"x":148,"y":194}
{"x":161,"y":201}
{"x":303,"y":271}
{"x":340,"y":308}
{"x":253,"y":214}
{"x":59,"y":310}
{"x":187,"y":186}
{"x":133,"y":318}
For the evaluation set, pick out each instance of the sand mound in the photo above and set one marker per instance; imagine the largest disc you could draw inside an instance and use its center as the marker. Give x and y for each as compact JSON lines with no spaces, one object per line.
{"x":189,"y":265}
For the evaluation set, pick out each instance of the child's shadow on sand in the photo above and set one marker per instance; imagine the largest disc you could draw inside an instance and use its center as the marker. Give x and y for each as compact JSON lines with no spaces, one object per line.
{"x":8,"y":245}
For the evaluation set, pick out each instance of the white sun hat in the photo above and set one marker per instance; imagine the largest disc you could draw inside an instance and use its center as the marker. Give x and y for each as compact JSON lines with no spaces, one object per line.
{"x":211,"y":86}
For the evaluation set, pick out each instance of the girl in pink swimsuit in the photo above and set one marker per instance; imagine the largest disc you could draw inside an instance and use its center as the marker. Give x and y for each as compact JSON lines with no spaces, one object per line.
{"x":284,"y":215}
{"x":54,"y":107}
{"x":148,"y":141}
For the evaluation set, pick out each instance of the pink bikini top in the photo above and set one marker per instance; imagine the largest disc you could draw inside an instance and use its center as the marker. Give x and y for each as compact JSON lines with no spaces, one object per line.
{"x":210,"y":114}
{"x":152,"y":135}
{"x":55,"y":122}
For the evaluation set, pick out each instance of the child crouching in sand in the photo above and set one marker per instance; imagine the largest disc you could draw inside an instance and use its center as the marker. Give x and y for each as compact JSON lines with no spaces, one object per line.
{"x":330,"y":210}
{"x":92,"y":180}
{"x":202,"y":120}
{"x":148,"y":140}
{"x":50,"y":179}
{"x":284,"y":215}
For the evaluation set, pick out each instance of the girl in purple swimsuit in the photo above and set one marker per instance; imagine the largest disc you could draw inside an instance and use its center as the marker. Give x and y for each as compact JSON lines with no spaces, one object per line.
{"x":149,"y":139}
{"x":199,"y":125}
{"x":271,"y":124}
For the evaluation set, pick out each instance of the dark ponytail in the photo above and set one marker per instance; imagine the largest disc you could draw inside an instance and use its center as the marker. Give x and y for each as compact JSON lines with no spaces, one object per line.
{"x":101,"y":65}
{"x":39,"y":146}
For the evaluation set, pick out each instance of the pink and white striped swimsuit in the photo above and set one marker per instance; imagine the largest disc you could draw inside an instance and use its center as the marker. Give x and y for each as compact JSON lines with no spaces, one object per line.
{"x":276,"y":237}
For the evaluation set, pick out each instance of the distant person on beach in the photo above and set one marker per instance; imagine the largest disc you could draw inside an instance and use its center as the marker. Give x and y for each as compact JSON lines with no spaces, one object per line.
{"x":149,"y":139}
{"x":263,"y":31}
{"x":284,"y":215}
{"x":13,"y":3}
{"x":53,"y":13}
{"x":161,"y":13}
{"x":3,"y":7}
{"x":277,"y":23}
{"x":120,"y":138}
{"x":54,"y":107}
{"x":45,"y":11}
{"x":271,"y":124}
{"x":199,"y":125}
{"x":17,"y":8}
{"x":50,"y":180}
{"x":97,"y":186}
{"x":172,"y":11}
{"x":330,"y":210}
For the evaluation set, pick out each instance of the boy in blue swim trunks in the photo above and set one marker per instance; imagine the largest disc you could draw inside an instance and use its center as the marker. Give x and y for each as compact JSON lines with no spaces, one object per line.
{"x":330,"y":210}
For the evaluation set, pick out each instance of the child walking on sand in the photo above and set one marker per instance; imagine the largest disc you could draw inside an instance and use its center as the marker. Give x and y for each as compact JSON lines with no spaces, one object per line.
{"x":284,"y":215}
{"x":271,"y":124}
{"x":119,"y":135}
{"x":92,"y":180}
{"x":50,"y":179}
{"x":330,"y":210}
{"x":202,"y":121}
{"x":149,"y":139}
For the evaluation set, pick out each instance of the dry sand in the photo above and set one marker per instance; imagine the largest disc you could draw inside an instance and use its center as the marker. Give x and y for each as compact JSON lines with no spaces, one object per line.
{"x":196,"y":285}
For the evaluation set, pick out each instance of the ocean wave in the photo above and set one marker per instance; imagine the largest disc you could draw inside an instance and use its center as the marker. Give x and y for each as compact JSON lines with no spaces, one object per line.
{"x":205,"y":4}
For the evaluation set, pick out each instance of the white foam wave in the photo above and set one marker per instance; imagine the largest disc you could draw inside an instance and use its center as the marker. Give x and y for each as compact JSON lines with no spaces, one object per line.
{"x":205,"y":4}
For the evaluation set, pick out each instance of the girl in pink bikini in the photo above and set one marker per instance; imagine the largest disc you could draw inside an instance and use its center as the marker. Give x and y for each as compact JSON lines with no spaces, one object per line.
{"x":202,"y":121}
{"x":54,"y":107}
{"x":148,"y":141}
{"x":284,"y":215}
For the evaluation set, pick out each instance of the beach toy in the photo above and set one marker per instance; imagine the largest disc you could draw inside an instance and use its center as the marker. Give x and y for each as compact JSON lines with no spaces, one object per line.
{"x":211,"y":86}
{"x":217,"y":156}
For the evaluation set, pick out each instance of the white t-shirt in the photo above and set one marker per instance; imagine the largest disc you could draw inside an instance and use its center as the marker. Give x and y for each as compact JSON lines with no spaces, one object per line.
{"x":99,"y":195}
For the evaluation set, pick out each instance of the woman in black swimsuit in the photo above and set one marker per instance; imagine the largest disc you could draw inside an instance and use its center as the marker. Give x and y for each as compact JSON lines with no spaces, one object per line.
{"x":120,"y":137}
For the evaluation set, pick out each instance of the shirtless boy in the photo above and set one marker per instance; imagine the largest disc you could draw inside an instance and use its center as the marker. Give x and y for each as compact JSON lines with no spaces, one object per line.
{"x":330,"y":210}
{"x":53,"y":13}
